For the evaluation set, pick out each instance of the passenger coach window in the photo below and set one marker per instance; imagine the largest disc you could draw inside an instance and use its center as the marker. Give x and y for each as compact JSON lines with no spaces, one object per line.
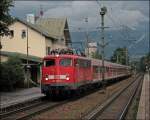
{"x":50,"y":62}
{"x":84,"y":63}
{"x":66,"y":62}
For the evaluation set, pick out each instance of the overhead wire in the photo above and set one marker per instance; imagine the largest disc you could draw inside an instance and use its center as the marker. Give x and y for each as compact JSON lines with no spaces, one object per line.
{"x":117,"y":25}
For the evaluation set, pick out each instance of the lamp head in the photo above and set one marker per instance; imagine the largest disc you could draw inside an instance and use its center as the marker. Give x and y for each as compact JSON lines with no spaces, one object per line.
{"x":103,"y":11}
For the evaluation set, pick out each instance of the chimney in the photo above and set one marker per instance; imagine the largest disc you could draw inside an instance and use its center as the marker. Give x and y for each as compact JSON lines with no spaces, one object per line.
{"x":41,"y":11}
{"x":31,"y":18}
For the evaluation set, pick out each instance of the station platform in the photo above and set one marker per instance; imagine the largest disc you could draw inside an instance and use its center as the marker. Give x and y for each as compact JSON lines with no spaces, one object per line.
{"x":11,"y":98}
{"x":144,"y":104}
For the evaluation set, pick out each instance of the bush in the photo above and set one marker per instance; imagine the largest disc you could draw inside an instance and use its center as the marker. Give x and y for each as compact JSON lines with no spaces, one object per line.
{"x":12,"y":74}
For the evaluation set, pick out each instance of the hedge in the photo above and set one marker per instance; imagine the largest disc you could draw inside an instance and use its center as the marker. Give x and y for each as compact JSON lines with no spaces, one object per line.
{"x":12,"y":74}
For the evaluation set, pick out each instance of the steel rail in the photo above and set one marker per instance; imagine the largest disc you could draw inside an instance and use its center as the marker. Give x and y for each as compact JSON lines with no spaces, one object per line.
{"x":129,"y":102}
{"x":20,"y":105}
{"x":20,"y":108}
{"x":30,"y":111}
{"x":94,"y":113}
{"x":4,"y":109}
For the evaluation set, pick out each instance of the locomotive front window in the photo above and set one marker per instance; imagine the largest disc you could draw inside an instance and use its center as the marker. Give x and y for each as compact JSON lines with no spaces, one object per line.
{"x":50,"y":62}
{"x":66,"y":62}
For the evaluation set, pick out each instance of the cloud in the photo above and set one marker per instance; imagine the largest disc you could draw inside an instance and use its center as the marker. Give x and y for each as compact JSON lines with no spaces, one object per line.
{"x":130,"y":18}
{"x":129,"y":13}
{"x":77,"y":11}
{"x":21,"y":8}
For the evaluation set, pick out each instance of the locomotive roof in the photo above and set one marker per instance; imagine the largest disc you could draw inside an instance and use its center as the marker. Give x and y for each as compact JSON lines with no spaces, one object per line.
{"x":64,"y":55}
{"x":94,"y":61}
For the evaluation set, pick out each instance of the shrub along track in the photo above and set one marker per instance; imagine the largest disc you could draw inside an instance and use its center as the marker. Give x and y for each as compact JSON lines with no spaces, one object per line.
{"x":77,"y":108}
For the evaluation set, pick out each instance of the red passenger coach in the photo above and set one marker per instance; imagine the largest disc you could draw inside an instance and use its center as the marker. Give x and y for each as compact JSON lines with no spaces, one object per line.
{"x":71,"y":72}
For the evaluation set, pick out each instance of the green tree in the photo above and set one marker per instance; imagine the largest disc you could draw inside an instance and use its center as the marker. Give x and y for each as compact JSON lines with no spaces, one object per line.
{"x":96,"y":55}
{"x":119,"y":56}
{"x":12,"y":74}
{"x":5,"y":17}
{"x":145,"y":63}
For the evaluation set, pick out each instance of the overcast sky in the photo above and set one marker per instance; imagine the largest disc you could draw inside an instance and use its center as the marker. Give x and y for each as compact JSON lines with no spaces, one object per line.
{"x":134,"y":14}
{"x":129,"y":13}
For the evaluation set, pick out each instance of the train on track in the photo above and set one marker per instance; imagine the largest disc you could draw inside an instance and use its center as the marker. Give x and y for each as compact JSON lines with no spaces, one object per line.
{"x":68,"y":73}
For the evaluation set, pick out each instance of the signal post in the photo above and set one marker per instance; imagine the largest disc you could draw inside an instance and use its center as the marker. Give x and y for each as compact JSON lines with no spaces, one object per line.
{"x":103,"y":44}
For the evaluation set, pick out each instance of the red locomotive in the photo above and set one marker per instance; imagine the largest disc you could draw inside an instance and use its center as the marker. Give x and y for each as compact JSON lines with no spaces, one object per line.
{"x":72,"y":72}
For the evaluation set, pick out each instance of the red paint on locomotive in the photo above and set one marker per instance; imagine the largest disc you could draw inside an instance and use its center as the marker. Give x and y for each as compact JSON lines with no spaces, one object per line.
{"x":69,"y":72}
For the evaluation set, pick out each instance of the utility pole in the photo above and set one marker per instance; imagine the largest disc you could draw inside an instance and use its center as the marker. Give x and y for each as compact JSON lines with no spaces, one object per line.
{"x":87,"y":39}
{"x":103,"y":44}
{"x":27,"y":66}
{"x":149,"y":47}
{"x":117,"y":58}
{"x":0,"y":49}
{"x":126,"y":52}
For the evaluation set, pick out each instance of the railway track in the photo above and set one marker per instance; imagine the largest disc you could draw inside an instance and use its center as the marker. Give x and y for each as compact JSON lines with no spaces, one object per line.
{"x":117,"y":105}
{"x":5,"y":111}
{"x":29,"y":109}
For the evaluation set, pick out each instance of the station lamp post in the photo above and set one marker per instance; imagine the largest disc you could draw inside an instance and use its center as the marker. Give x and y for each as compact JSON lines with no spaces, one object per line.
{"x":27,"y":66}
{"x":103,"y":44}
{"x":87,"y":39}
{"x":0,"y":48}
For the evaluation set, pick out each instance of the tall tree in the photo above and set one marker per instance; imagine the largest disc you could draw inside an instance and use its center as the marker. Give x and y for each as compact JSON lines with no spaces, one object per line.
{"x":96,"y":55}
{"x":5,"y":17}
{"x":120,"y":56}
{"x":145,"y":63}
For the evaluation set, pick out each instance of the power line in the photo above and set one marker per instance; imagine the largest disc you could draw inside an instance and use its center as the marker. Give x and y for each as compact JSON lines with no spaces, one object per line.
{"x":123,"y":36}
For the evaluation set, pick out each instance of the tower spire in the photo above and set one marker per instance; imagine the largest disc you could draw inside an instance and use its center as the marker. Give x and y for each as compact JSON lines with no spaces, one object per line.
{"x":41,"y":11}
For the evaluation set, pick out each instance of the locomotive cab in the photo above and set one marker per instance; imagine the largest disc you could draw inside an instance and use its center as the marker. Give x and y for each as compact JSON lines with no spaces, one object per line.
{"x":57,"y":73}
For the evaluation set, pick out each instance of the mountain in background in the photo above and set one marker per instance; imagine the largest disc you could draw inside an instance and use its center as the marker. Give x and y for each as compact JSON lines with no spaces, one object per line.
{"x":137,"y":41}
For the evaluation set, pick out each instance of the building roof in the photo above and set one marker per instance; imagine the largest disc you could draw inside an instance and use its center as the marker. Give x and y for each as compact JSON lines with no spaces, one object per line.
{"x":54,"y":26}
{"x":50,"y":27}
{"x":22,"y":56}
{"x":35,"y":27}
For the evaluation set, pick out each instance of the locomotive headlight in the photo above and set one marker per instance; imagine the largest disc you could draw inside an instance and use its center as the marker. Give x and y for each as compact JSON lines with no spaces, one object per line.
{"x":46,"y":78}
{"x":67,"y":78}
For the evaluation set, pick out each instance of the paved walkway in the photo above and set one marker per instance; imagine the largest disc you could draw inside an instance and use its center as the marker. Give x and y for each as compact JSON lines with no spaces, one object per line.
{"x":144,"y":104}
{"x":11,"y":98}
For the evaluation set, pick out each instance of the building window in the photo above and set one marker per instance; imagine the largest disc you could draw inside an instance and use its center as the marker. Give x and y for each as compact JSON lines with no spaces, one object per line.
{"x":11,"y":33}
{"x":23,"y":35}
{"x":48,"y":50}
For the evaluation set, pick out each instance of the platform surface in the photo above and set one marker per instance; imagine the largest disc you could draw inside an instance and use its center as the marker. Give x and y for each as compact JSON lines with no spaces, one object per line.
{"x":144,"y":104}
{"x":19,"y":96}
